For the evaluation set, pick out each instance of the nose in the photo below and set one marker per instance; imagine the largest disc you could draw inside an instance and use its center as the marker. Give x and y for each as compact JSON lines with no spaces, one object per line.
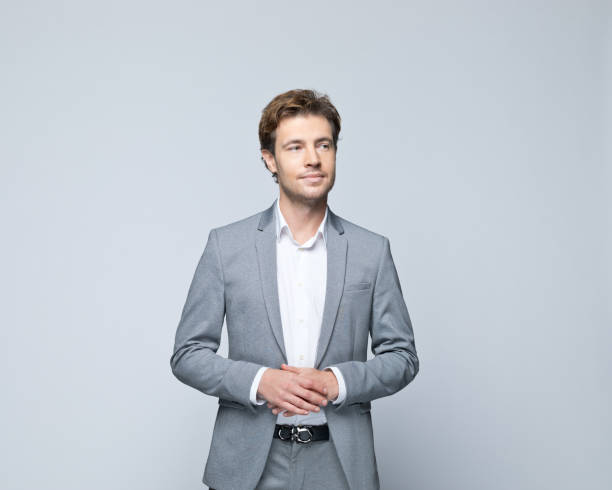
{"x":312,"y":156}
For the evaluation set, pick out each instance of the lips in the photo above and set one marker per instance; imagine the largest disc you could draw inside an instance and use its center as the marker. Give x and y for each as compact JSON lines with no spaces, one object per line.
{"x":312,"y":176}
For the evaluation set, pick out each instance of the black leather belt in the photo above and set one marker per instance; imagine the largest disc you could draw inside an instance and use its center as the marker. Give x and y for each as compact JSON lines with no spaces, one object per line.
{"x":302,"y":434}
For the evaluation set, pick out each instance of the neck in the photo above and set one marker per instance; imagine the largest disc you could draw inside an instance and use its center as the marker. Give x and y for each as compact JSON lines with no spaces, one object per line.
{"x":302,"y":218}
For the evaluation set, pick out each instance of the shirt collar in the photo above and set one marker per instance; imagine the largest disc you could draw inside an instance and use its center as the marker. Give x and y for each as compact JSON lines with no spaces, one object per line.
{"x":281,"y":223}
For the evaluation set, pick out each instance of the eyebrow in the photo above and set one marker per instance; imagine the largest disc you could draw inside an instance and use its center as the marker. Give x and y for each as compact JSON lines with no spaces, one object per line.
{"x":318,"y":140}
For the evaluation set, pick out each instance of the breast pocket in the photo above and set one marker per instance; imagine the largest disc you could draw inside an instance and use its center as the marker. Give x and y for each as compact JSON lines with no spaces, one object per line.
{"x":357,"y":286}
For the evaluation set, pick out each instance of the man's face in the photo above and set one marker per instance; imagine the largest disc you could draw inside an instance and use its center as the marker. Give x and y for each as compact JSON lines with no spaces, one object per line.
{"x":304,"y":147}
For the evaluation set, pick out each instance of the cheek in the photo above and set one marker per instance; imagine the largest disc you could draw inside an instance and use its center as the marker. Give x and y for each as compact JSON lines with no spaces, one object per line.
{"x":330,"y":165}
{"x":290,"y":168}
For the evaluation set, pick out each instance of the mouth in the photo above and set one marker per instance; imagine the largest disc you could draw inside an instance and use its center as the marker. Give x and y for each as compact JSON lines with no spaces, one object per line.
{"x":313,"y":177}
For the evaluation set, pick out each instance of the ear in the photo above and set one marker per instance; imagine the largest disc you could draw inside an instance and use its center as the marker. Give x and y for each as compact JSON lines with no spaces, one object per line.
{"x":269,"y":160}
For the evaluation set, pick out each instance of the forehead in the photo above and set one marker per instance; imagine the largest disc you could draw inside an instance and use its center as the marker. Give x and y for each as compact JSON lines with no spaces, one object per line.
{"x":305,"y":127}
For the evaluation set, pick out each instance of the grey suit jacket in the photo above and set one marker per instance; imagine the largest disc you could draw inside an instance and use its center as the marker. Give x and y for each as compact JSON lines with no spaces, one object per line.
{"x":236,"y":278}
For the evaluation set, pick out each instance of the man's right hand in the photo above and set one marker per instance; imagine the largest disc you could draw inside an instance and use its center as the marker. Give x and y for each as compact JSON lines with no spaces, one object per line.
{"x":291,"y":392}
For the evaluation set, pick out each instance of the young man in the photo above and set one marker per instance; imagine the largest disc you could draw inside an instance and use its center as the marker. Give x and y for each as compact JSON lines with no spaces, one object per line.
{"x":301,"y":289}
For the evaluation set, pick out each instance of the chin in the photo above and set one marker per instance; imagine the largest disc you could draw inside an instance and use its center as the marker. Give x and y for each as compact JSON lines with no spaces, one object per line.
{"x":308,"y":193}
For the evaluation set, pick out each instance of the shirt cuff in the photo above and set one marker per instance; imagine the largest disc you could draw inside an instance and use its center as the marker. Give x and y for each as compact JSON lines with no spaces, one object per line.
{"x":341,"y":386}
{"x":255,"y":398}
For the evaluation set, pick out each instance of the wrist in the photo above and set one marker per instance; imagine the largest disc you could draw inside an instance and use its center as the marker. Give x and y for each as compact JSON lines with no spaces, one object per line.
{"x":262,"y":382}
{"x":331,"y":384}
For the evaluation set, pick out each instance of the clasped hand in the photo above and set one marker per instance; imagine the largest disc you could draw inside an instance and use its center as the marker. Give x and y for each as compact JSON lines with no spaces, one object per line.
{"x":297,"y":390}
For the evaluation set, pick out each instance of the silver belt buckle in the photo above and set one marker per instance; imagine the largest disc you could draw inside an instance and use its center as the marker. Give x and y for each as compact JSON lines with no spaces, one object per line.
{"x":299,"y":432}
{"x":285,"y":434}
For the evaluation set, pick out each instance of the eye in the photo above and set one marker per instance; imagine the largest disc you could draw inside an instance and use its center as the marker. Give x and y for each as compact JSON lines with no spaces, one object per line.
{"x":294,"y":147}
{"x":325,"y":146}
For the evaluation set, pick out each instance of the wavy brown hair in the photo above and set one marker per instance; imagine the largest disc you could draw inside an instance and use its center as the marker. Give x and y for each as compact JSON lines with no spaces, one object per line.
{"x":290,"y":104}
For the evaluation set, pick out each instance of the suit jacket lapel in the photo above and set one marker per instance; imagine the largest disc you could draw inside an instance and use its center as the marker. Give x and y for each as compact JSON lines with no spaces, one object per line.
{"x":265,"y":243}
{"x":336,"y":268}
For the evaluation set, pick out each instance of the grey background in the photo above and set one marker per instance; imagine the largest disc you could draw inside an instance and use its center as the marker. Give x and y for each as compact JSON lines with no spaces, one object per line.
{"x":476,"y":136}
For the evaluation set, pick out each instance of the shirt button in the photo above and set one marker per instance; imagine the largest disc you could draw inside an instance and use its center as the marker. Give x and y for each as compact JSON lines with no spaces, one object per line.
{"x":299,"y":284}
{"x":301,"y":320}
{"x":301,"y":357}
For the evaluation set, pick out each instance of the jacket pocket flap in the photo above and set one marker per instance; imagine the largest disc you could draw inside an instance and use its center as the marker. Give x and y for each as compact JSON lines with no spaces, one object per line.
{"x":365,"y":407}
{"x":362,"y":406}
{"x":230,"y":403}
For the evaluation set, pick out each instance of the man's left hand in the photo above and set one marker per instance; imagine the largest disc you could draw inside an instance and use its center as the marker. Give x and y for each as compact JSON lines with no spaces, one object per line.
{"x":325,"y":376}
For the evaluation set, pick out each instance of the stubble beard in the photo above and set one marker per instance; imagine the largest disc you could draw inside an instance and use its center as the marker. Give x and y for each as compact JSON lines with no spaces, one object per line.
{"x":309,"y":200}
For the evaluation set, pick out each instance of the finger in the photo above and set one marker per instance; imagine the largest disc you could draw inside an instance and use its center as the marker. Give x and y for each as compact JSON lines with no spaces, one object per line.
{"x":286,"y":413}
{"x":296,"y":404}
{"x":294,"y":369}
{"x":278,"y":410}
{"x":301,"y":404}
{"x":313,"y":387}
{"x":312,"y":384}
{"x":311,"y":396}
{"x":321,"y":387}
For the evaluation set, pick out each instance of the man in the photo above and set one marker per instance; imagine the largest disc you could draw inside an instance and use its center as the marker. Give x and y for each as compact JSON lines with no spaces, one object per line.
{"x":301,"y":289}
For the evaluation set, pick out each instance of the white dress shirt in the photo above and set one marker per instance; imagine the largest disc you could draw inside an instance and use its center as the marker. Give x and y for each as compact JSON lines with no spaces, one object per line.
{"x":302,"y":280}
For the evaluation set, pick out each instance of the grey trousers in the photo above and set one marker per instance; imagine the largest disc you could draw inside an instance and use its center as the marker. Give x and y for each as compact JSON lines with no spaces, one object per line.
{"x":294,"y":466}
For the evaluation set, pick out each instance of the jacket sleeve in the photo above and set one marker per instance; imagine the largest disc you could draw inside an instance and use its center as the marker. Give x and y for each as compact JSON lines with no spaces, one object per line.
{"x":395,"y":363}
{"x":194,"y":360}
